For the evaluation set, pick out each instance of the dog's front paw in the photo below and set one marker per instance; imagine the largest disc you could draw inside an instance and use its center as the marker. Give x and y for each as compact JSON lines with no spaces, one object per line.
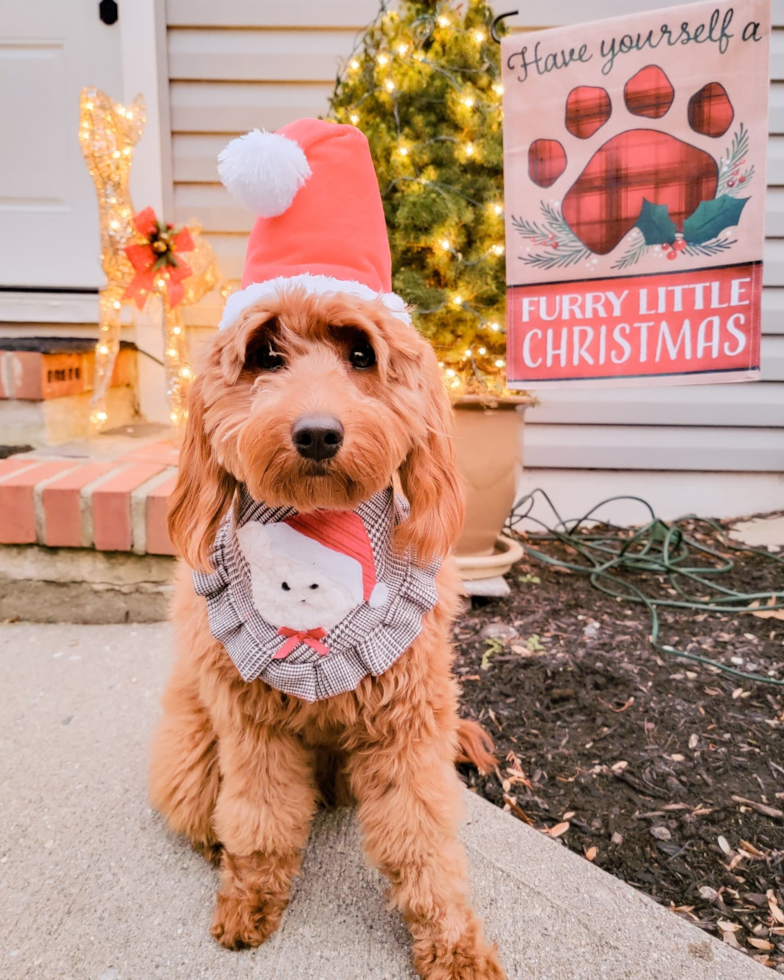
{"x":470,"y":958}
{"x":239,"y":923}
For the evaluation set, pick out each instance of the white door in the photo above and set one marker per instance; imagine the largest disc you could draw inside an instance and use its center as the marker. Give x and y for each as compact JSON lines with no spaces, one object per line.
{"x":49,"y":50}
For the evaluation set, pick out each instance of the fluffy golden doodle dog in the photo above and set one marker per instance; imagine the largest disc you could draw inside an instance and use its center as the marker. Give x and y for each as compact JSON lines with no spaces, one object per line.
{"x":313,"y":653}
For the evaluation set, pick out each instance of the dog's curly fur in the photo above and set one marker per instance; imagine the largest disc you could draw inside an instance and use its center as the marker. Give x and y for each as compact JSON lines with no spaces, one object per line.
{"x":238,"y":767}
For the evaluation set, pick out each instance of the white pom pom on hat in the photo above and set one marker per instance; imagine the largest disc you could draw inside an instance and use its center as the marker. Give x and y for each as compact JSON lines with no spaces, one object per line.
{"x":320,"y":224}
{"x":263,"y":171}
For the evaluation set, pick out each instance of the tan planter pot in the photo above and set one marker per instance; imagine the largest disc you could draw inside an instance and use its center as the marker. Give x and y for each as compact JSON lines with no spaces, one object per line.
{"x":488,"y":441}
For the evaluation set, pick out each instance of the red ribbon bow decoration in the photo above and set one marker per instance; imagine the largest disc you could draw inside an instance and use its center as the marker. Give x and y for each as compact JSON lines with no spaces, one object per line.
{"x":153,"y":259}
{"x":310,"y":638}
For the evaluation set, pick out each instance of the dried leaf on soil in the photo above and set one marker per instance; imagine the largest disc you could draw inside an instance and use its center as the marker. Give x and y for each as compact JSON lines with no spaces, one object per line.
{"x":763,"y":613}
{"x":560,"y":717}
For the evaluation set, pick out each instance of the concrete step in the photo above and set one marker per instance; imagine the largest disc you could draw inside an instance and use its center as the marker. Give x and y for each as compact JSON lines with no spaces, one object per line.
{"x":94,"y":887}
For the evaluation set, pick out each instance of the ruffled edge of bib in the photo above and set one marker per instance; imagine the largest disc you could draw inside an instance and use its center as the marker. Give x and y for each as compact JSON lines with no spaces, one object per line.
{"x":229,"y":604}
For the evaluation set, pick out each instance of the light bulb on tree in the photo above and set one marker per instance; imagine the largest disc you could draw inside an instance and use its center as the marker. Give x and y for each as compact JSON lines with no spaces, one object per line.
{"x":444,"y":260}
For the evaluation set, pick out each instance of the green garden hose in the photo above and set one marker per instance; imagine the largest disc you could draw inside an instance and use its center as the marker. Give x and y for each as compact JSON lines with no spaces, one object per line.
{"x":656,"y":547}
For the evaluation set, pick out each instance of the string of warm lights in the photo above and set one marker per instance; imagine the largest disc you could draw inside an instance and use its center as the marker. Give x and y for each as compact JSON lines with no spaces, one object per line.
{"x":431,"y":58}
{"x":108,"y":132}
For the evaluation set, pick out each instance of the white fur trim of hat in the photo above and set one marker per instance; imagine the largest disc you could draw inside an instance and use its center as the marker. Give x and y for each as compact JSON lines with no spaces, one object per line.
{"x":314,"y":286}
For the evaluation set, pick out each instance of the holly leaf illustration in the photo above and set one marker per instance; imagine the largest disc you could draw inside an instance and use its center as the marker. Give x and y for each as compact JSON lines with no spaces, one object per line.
{"x":712,"y":217}
{"x":655,"y":223}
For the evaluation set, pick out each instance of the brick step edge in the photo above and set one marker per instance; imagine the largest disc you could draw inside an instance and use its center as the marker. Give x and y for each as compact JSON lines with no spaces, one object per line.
{"x":117,"y":505}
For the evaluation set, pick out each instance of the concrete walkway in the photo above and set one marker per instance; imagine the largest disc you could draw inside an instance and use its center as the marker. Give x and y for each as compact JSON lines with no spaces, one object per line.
{"x":93,"y":887}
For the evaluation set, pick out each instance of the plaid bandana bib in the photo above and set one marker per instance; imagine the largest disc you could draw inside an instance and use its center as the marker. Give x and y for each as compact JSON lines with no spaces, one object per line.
{"x":312,"y":603}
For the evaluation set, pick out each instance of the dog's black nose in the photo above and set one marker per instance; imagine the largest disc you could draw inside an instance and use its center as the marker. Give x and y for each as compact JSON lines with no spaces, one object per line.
{"x":317,"y":436}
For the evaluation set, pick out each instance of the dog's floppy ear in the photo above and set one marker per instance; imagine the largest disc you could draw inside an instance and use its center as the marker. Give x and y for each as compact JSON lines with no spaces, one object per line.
{"x":203,"y":491}
{"x":431,"y":482}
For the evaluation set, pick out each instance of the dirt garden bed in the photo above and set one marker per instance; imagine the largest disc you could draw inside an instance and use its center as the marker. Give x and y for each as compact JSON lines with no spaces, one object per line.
{"x":666,"y":773}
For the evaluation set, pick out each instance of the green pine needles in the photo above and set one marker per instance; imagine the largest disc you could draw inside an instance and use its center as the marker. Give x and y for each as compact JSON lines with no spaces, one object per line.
{"x":423,"y":84}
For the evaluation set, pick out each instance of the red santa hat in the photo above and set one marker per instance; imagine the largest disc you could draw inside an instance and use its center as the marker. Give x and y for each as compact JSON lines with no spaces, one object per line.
{"x":337,"y":544}
{"x":320,"y":221}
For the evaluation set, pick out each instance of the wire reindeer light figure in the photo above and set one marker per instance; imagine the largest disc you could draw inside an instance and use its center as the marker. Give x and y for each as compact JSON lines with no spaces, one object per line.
{"x":108,"y":132}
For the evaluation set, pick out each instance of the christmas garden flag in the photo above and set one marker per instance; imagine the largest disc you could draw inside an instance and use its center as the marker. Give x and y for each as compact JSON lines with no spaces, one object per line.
{"x":635,"y":197}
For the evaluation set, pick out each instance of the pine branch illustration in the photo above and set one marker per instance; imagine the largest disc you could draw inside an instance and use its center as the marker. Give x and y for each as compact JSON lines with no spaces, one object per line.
{"x":570,"y":250}
{"x":529,"y":229}
{"x":560,"y":229}
{"x":736,"y":152}
{"x":713,"y":247}
{"x":633,"y":254}
{"x":561,"y":259}
{"x":741,"y":188}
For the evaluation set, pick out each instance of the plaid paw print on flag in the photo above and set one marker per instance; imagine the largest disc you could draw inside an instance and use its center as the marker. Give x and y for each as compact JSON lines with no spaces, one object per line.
{"x":678,"y":195}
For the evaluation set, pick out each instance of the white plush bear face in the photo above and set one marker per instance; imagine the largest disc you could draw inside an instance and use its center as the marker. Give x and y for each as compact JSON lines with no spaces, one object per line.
{"x":291,"y":593}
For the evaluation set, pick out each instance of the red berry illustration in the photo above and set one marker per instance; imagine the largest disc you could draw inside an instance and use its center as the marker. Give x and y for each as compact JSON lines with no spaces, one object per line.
{"x":672,"y":255}
{"x":679,"y":244}
{"x":554,"y":244}
{"x":735,"y":172}
{"x":741,"y":180}
{"x":730,"y":183}
{"x":665,"y":246}
{"x":742,"y":162}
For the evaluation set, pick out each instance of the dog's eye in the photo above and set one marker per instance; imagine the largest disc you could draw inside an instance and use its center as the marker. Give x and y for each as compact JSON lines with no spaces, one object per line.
{"x":362,"y":356}
{"x":267,"y":358}
{"x":286,"y":587}
{"x":315,"y":585}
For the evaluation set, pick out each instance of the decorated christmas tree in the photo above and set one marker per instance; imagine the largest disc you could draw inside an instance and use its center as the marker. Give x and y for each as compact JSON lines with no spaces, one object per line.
{"x":423,"y":84}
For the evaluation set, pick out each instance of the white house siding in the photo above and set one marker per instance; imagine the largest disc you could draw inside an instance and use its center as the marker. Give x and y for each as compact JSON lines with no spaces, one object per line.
{"x":239,"y":64}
